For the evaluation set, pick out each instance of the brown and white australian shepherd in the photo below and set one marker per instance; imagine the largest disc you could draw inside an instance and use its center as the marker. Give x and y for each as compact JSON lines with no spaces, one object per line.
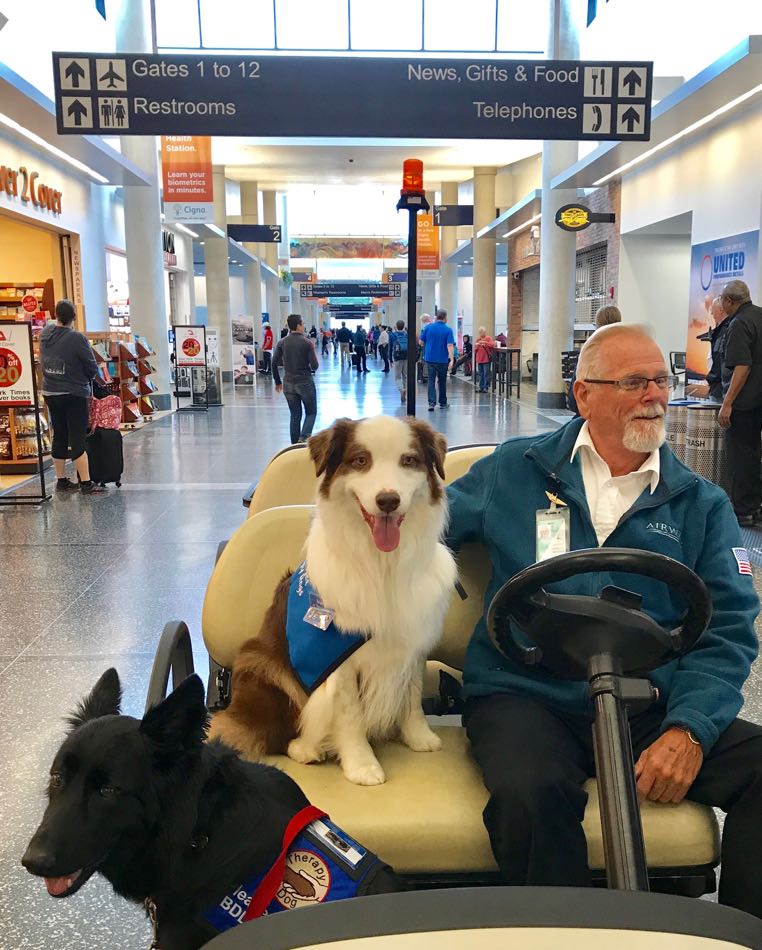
{"x":374,"y":555}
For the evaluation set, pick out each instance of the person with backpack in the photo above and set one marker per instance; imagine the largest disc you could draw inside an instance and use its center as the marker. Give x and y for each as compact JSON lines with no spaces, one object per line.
{"x":399,"y":349}
{"x":360,"y":344}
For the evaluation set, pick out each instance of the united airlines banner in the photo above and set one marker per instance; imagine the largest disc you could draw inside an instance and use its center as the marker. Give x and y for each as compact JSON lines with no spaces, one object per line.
{"x":713,"y":264}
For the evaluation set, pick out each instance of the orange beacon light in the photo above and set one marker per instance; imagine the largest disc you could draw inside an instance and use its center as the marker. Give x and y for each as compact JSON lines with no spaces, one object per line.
{"x":412,"y":177}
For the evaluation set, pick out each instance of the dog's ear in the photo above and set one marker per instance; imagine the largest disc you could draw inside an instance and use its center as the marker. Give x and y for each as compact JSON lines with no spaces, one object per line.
{"x":433,"y":445}
{"x":105,"y":699}
{"x":327,"y":447}
{"x":177,"y":725}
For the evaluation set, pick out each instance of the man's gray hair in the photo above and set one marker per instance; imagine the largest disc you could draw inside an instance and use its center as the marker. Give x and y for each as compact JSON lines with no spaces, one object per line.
{"x":441,"y":314}
{"x":737,"y":290}
{"x":590,"y":354}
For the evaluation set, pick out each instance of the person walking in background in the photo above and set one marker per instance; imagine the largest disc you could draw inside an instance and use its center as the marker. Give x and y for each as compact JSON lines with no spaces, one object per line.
{"x":296,"y":354}
{"x":68,"y":371}
{"x":399,"y":348}
{"x":344,"y":337}
{"x":360,"y":343}
{"x":383,"y":347}
{"x":326,"y":334}
{"x":267,"y":348}
{"x":714,"y":386}
{"x":483,"y":349}
{"x":438,"y":349}
{"x":465,"y":358}
{"x":741,"y":411}
{"x":604,"y":317}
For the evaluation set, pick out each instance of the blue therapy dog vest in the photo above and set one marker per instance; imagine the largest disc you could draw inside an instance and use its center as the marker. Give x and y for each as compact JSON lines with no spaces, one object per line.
{"x":314,"y":653}
{"x":322,"y":864}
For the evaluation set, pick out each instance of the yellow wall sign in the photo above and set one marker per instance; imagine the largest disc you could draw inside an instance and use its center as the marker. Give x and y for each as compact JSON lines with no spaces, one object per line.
{"x":25,"y":184}
{"x":578,"y":217}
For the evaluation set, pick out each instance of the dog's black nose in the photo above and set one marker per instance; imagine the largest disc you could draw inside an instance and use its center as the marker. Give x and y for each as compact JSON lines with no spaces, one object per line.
{"x":38,"y":859}
{"x":388,"y":501}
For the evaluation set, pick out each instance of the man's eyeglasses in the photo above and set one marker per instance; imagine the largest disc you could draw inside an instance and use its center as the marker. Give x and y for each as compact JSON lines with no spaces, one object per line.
{"x":632,"y":384}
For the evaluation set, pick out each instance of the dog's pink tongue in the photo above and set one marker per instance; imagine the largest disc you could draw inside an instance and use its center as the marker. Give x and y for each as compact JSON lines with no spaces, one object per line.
{"x":60,"y":885}
{"x":386,"y":533}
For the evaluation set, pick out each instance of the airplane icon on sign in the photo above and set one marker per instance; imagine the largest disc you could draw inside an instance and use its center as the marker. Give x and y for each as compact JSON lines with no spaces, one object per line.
{"x":111,"y":76}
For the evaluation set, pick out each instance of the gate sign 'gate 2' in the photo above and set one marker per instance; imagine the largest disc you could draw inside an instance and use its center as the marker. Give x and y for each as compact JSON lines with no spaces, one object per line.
{"x":267,"y":96}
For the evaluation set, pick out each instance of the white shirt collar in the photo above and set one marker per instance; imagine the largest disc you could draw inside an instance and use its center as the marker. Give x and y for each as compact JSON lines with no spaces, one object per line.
{"x":651,"y":464}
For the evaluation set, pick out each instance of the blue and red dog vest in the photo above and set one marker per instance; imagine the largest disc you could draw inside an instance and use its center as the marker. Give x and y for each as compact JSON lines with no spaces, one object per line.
{"x":319,"y":863}
{"x":314,"y":653}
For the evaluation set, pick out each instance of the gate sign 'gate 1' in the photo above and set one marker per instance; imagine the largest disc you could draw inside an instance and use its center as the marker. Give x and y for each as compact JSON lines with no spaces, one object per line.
{"x":154,"y":94}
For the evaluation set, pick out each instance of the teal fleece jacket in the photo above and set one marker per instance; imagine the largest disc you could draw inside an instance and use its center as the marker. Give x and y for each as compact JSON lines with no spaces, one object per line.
{"x":686,"y":518}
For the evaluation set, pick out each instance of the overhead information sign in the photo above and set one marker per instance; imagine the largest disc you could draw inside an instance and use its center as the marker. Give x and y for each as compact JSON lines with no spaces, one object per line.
{"x":268,"y":96}
{"x":255,"y":233}
{"x":453,"y":215}
{"x":350,"y":290}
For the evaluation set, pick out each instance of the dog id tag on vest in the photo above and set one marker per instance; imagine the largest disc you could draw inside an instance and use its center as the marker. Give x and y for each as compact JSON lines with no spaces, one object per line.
{"x":317,"y":615}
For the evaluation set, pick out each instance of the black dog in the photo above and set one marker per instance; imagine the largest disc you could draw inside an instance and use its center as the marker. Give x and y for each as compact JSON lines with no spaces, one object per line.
{"x":174,"y":822}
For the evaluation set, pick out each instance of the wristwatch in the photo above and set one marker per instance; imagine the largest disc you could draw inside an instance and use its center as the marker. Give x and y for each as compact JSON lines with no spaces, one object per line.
{"x":688,"y":733}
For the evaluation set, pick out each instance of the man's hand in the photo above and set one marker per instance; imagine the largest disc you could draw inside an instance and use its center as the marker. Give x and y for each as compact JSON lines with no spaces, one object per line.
{"x":278,"y":387}
{"x":723,"y":417}
{"x":697,"y":389}
{"x":668,"y":767}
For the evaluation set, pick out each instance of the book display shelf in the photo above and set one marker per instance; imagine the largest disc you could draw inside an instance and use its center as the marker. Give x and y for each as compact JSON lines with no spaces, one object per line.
{"x":124,"y":362}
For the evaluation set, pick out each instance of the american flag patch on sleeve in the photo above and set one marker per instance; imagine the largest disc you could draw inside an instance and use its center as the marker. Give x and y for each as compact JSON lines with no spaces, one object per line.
{"x":742,"y":559}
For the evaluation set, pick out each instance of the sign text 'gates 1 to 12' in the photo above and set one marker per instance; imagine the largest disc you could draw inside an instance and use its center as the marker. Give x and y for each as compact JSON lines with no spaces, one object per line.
{"x":154,"y":94}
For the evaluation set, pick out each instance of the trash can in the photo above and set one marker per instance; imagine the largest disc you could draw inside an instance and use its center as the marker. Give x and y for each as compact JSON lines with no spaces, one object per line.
{"x":532,"y":366}
{"x":705,"y":450}
{"x":676,"y":425}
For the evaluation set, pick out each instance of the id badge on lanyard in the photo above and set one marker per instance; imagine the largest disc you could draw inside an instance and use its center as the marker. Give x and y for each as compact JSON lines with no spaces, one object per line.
{"x":552,"y":530}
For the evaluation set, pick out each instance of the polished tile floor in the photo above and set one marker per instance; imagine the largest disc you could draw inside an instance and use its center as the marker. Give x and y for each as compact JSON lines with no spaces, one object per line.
{"x":88,"y":583}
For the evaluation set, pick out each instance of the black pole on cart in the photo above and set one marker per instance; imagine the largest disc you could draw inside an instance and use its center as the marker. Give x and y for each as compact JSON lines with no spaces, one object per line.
{"x":412,"y":200}
{"x":37,"y":423}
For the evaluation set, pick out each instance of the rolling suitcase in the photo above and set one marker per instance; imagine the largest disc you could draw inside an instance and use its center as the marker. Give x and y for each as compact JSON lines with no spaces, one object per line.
{"x":355,"y":360}
{"x":104,"y":451}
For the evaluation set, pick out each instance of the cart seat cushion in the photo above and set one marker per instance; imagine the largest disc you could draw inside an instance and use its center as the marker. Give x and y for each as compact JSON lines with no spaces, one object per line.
{"x":289,"y":479}
{"x":427,"y":817}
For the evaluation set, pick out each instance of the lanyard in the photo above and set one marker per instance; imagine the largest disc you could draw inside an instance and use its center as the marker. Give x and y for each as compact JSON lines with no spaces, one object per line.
{"x":270,"y":883}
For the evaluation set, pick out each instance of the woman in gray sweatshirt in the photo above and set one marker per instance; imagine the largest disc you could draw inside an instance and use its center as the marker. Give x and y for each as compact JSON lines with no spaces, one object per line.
{"x":68,"y":369}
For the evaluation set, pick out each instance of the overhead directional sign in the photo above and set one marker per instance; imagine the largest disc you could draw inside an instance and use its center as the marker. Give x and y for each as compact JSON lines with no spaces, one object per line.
{"x":270,"y":96}
{"x":453,"y":215}
{"x":255,"y":233}
{"x":350,"y":290}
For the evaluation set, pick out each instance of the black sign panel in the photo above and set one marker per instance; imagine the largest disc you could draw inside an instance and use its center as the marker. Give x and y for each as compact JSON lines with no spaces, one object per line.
{"x":350,"y":290}
{"x":454,"y":215}
{"x":255,"y":233}
{"x":153,"y":94}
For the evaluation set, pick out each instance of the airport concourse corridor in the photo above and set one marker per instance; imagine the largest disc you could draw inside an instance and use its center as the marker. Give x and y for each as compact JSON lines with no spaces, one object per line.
{"x":88,"y":583}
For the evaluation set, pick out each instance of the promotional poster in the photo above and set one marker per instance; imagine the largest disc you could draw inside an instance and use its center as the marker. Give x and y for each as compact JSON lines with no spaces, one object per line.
{"x":713,"y":264}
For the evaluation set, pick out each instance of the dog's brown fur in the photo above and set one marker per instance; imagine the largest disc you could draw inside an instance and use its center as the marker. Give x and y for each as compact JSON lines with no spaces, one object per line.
{"x":267,"y":699}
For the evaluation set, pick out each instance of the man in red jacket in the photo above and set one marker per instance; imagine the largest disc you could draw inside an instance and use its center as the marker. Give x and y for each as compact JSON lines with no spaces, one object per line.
{"x":267,"y":348}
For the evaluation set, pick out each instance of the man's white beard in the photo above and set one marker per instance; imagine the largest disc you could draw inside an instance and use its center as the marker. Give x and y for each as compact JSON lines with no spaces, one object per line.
{"x":644,"y":435}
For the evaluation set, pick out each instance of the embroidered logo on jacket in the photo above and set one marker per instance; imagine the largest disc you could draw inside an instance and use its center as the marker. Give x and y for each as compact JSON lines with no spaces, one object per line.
{"x":667,"y":530}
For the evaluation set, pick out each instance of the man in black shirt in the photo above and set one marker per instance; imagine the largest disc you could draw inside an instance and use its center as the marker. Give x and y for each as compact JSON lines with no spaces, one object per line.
{"x":344,"y":338}
{"x":741,"y":411}
{"x":296,"y":354}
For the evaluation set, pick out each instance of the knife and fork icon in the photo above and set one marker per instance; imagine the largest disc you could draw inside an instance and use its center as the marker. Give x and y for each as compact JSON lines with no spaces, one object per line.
{"x":597,"y":75}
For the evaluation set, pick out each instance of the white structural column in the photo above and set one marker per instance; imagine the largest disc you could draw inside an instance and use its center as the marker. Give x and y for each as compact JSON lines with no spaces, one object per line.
{"x":484,"y":250}
{"x":557,"y":247}
{"x":142,"y":216}
{"x":291,"y":305}
{"x":272,"y":284}
{"x":218,"y":276}
{"x":448,"y":242}
{"x":252,"y":273}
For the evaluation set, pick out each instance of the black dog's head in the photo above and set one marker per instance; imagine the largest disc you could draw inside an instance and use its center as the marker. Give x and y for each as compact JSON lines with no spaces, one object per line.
{"x":107,"y":780}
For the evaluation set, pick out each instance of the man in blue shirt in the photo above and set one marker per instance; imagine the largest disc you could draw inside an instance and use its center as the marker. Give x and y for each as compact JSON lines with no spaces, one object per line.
{"x":438,"y":351}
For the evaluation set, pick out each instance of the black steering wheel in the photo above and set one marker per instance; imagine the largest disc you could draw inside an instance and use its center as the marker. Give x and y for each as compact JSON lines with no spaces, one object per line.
{"x":564,"y":631}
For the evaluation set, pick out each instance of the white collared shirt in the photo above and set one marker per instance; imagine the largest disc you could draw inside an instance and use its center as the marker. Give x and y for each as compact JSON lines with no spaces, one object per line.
{"x":609,"y":497}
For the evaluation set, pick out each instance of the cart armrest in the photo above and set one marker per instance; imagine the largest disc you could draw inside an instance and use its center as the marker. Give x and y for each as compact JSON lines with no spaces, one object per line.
{"x":174,"y":654}
{"x":249,"y":494}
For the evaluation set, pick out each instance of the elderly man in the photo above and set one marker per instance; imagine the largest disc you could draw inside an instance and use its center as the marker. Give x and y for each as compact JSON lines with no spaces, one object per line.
{"x":717,"y":338}
{"x":741,"y":412}
{"x":531,"y":733}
